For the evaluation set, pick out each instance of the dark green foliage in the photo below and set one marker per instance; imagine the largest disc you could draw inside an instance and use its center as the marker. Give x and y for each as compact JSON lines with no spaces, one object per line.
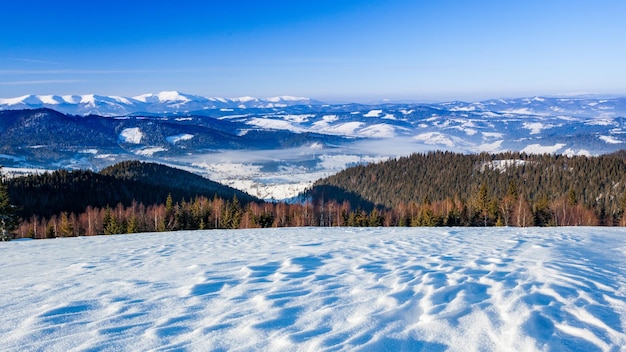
{"x":483,"y":180}
{"x":8,"y":219}
{"x":148,"y":183}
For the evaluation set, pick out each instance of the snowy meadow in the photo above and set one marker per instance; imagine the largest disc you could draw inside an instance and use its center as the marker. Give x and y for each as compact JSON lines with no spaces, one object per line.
{"x":318,"y":289}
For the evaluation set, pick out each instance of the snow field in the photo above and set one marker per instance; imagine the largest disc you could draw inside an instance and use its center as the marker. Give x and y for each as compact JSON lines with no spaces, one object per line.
{"x":318,"y":289}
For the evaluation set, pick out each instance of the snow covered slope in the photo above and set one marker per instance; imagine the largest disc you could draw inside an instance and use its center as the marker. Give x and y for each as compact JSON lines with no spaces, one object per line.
{"x":318,"y":289}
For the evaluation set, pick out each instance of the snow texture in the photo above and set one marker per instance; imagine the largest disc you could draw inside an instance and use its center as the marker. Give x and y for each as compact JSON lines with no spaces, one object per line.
{"x":318,"y":289}
{"x":131,"y":135}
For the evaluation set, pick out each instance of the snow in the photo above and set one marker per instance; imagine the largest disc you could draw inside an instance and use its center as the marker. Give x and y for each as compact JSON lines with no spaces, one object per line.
{"x":495,"y":135}
{"x":502,"y":165}
{"x":88,"y":99}
{"x":150,"y":151}
{"x":435,"y":138}
{"x":318,"y":289}
{"x":373,"y":113}
{"x":179,"y":137}
{"x":535,"y":127}
{"x":541,"y":149}
{"x":163,"y":97}
{"x":610,"y":140}
{"x":131,"y":135}
{"x":380,"y":130}
{"x":297,"y":118}
{"x":344,"y":129}
{"x":172,"y":96}
{"x":493,"y":147}
{"x":286,"y":98}
{"x":15,"y":101}
{"x":571,"y":152}
{"x":274,"y":124}
{"x":245,"y":99}
{"x":48,"y":99}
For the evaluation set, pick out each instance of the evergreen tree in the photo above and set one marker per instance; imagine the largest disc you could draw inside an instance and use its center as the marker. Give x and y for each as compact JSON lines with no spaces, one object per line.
{"x":8,"y":219}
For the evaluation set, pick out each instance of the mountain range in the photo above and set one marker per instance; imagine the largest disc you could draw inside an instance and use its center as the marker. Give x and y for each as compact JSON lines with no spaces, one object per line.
{"x":169,"y":102}
{"x":275,"y":148}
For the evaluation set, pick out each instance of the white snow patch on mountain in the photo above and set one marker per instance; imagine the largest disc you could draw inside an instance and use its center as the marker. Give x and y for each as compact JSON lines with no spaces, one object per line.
{"x":49,"y":99}
{"x":540,"y":149}
{"x":492,"y":135}
{"x":227,"y":170}
{"x":435,"y":138}
{"x":71,"y":99}
{"x":610,"y":140}
{"x":274,"y":124}
{"x":172,"y":96}
{"x":150,"y":151}
{"x":572,"y":152}
{"x":344,"y":129}
{"x":286,"y":98}
{"x":297,"y":118}
{"x":89,"y":100}
{"x":535,"y":127}
{"x":131,"y":135}
{"x":502,"y":165}
{"x":493,"y":147}
{"x":179,"y":137}
{"x":378,"y":131}
{"x":89,"y":151}
{"x":12,"y":101}
{"x":373,"y":113}
{"x":601,"y":122}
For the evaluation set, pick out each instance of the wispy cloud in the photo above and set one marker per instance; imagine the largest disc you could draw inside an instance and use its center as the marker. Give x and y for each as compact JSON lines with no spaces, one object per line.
{"x":49,"y":81}
{"x":101,"y":72}
{"x":33,"y":61}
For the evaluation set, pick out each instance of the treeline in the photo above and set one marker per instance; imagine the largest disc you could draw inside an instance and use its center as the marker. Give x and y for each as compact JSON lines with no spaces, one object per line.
{"x":433,"y":189}
{"x":200,"y":213}
{"x":217,"y":213}
{"x":543,"y":182}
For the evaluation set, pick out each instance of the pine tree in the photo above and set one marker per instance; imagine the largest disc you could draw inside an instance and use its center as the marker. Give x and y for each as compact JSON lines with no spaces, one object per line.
{"x":8,"y":219}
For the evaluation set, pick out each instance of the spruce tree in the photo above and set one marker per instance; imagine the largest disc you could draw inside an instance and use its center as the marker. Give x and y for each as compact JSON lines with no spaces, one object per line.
{"x":8,"y":219}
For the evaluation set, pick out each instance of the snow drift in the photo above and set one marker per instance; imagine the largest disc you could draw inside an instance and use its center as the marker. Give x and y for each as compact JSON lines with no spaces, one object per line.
{"x":318,"y":289}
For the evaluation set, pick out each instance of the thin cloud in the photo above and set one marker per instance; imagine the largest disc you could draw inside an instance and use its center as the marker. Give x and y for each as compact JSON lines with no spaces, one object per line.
{"x":34,"y":61}
{"x":50,"y":81}
{"x":100,"y":72}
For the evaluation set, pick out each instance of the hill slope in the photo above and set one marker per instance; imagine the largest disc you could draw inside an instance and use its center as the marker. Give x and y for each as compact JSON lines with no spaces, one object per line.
{"x":595,"y":182}
{"x":147,"y":183}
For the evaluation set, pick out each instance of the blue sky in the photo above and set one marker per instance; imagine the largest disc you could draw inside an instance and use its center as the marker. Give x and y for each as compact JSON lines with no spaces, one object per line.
{"x":330,"y":50}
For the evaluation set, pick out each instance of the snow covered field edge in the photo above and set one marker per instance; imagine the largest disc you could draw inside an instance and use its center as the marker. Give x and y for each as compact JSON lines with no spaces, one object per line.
{"x":318,"y":289}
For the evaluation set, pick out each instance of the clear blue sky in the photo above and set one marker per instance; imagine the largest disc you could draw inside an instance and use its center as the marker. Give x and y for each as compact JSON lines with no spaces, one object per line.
{"x":331,"y":50}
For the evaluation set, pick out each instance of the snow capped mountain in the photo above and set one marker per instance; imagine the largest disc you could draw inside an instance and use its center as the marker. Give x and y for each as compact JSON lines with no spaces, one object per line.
{"x":167,"y":102}
{"x":271,"y":147}
{"x":171,"y":96}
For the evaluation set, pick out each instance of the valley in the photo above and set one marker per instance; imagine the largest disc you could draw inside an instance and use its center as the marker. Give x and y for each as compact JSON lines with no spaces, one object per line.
{"x":275,"y":148}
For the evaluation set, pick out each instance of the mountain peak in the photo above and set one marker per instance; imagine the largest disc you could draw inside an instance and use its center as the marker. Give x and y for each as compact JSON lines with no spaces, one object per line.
{"x":162,"y":102}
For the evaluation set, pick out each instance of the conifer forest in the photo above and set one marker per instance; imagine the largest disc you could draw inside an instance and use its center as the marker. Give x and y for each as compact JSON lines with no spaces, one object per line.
{"x":428,"y":189}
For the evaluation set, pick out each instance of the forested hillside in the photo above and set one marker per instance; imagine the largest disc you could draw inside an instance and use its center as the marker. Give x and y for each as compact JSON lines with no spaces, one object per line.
{"x":148,"y":183}
{"x":433,"y":189}
{"x":596,"y":183}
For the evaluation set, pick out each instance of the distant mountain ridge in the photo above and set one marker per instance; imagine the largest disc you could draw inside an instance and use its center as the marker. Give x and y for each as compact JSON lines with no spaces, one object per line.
{"x":291,"y":141}
{"x":167,"y":102}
